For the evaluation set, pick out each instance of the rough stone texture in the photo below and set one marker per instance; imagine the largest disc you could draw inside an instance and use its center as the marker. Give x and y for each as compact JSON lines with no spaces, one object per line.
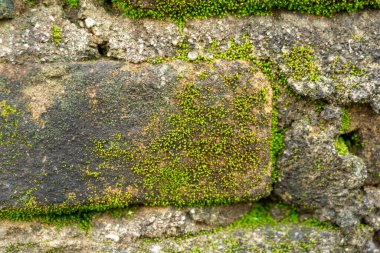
{"x":127,"y":235}
{"x":116,"y":232}
{"x":150,"y":229}
{"x":35,"y":43}
{"x":6,"y":9}
{"x":366,"y":124}
{"x":77,"y":124}
{"x":313,"y":176}
{"x":349,"y":38}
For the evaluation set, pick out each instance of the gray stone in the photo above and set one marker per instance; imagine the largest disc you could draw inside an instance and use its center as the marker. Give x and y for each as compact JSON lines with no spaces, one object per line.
{"x":331,"y":112}
{"x":32,"y":237}
{"x":192,"y":56}
{"x":137,"y":41}
{"x":6,"y":9}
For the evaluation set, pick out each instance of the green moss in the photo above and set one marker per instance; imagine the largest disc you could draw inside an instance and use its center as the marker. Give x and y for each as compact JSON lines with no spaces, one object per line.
{"x":345,"y":121}
{"x":301,"y":63}
{"x":9,"y":124}
{"x":340,"y":146}
{"x":57,"y":35}
{"x":94,"y":174}
{"x":340,"y":71}
{"x":277,"y":144}
{"x":312,"y":222}
{"x":64,"y":214}
{"x":345,"y":69}
{"x":72,"y":3}
{"x":319,"y":106}
{"x":30,"y":3}
{"x":245,"y":51}
{"x":198,"y":153}
{"x":182,"y":10}
{"x":258,"y":216}
{"x":12,"y":141}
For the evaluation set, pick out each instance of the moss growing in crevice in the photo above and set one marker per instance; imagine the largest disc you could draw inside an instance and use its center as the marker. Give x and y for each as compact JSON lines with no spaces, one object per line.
{"x":277,"y":144}
{"x":340,"y":146}
{"x":64,"y":214}
{"x":180,"y":11}
{"x":345,"y":121}
{"x":260,"y":215}
{"x":72,"y":3}
{"x":349,"y":143}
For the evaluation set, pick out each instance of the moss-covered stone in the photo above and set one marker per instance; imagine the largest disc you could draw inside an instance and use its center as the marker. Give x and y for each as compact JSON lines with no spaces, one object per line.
{"x":102,"y":135}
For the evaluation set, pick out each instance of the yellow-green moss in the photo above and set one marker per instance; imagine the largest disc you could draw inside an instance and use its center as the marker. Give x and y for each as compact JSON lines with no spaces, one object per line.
{"x":301,"y":63}
{"x":198,"y":153}
{"x":79,"y":213}
{"x":245,"y":51}
{"x":72,"y":3}
{"x":260,"y":216}
{"x":8,"y":124}
{"x":345,"y":121}
{"x":340,"y":146}
{"x":57,"y":35}
{"x":182,"y":10}
{"x":11,"y":138}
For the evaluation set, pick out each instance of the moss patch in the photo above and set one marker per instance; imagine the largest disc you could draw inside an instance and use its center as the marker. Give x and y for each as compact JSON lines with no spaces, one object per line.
{"x":211,"y":147}
{"x":345,"y":121}
{"x":12,"y":139}
{"x":301,"y":63}
{"x":182,"y":10}
{"x":56,"y":35}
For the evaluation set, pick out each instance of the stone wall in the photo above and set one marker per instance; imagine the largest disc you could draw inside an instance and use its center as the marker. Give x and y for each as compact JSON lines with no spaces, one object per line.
{"x":99,"y":112}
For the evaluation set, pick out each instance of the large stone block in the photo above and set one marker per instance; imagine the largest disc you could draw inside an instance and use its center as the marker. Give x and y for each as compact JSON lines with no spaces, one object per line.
{"x":110,"y":133}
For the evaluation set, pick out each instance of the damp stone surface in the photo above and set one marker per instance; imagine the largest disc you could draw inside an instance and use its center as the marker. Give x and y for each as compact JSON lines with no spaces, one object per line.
{"x":112,"y":134}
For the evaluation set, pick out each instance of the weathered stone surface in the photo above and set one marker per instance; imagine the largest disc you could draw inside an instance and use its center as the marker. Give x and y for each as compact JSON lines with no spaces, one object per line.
{"x":77,"y":132}
{"x":150,"y":229}
{"x":126,"y":229}
{"x":345,"y":47}
{"x":314,"y":176}
{"x":6,"y":9}
{"x":366,"y":125}
{"x":110,"y":133}
{"x":29,"y":237}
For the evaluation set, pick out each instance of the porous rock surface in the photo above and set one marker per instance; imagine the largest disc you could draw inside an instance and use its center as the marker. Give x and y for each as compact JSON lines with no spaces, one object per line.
{"x":116,"y":233}
{"x":313,"y":175}
{"x":343,"y":39}
{"x":263,"y":239}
